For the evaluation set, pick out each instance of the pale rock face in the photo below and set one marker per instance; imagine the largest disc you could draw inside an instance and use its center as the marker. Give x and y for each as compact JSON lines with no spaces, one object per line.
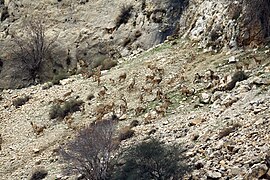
{"x":87,"y":29}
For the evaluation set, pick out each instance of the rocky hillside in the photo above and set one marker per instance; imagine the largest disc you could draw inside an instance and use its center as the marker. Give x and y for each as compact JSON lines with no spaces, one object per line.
{"x":97,"y":31}
{"x":191,"y":72}
{"x":218,"y":111}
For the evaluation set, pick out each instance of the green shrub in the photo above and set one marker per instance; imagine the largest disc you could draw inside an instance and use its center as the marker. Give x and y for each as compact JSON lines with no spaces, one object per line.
{"x":70,"y":106}
{"x":21,"y":101}
{"x":108,"y":64}
{"x":56,"y":111}
{"x":56,"y":78}
{"x":151,"y":160}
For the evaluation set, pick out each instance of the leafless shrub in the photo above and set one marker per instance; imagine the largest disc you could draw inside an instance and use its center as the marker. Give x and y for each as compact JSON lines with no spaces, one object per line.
{"x":34,"y":48}
{"x":124,"y":15}
{"x":90,"y":152}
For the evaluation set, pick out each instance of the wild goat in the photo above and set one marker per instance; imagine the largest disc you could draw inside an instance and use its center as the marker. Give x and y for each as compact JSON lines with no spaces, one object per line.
{"x":132,"y":84}
{"x":102,"y":92}
{"x":122,"y":77}
{"x":198,"y":78}
{"x":186,"y":91}
{"x":97,"y":74}
{"x":123,"y":107}
{"x":37,"y":129}
{"x":159,"y":94}
{"x":1,"y":141}
{"x":139,"y":110}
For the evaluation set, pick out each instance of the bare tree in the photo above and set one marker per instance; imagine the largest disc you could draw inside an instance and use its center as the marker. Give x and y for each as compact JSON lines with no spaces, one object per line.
{"x":90,"y":152}
{"x":34,"y":48}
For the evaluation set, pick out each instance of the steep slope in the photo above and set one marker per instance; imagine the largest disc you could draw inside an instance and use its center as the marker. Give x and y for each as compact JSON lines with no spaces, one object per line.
{"x":96,"y":31}
{"x":223,"y":130}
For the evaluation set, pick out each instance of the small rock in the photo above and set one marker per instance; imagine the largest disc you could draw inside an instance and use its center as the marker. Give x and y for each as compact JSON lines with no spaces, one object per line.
{"x":66,"y":81}
{"x":222,"y":163}
{"x":257,"y":110}
{"x":123,"y":117}
{"x":260,"y":81}
{"x":205,"y":98}
{"x":196,"y":121}
{"x":232,"y":59}
{"x":36,"y":150}
{"x":268,"y":173}
{"x":47,"y":85}
{"x":257,"y":171}
{"x":38,"y":162}
{"x":214,"y":174}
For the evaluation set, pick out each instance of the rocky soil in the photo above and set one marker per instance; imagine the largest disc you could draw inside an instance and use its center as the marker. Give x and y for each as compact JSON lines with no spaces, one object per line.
{"x":90,"y":31}
{"x":224,"y":131}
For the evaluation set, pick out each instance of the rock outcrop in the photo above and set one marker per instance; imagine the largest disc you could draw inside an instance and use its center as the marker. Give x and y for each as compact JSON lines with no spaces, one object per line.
{"x":94,"y":31}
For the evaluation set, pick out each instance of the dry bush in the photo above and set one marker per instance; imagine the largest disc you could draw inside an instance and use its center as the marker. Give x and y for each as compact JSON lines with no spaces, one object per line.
{"x":20,"y":101}
{"x":123,"y":17}
{"x":90,"y":152}
{"x":33,"y":49}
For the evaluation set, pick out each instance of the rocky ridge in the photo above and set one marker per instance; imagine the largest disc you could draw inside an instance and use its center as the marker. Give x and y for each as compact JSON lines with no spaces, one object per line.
{"x":224,"y":132}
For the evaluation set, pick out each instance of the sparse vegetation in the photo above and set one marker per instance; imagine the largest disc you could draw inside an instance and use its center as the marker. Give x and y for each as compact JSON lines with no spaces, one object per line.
{"x":152,"y":160}
{"x":108,"y":64}
{"x":20,"y":101}
{"x":90,"y":152}
{"x":70,"y":106}
{"x":58,"y":77}
{"x":123,"y":17}
{"x":39,"y":174}
{"x":33,"y":49}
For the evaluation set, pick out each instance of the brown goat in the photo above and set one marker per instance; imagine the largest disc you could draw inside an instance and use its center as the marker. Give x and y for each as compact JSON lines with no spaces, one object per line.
{"x":37,"y":129}
{"x":122,"y":77}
